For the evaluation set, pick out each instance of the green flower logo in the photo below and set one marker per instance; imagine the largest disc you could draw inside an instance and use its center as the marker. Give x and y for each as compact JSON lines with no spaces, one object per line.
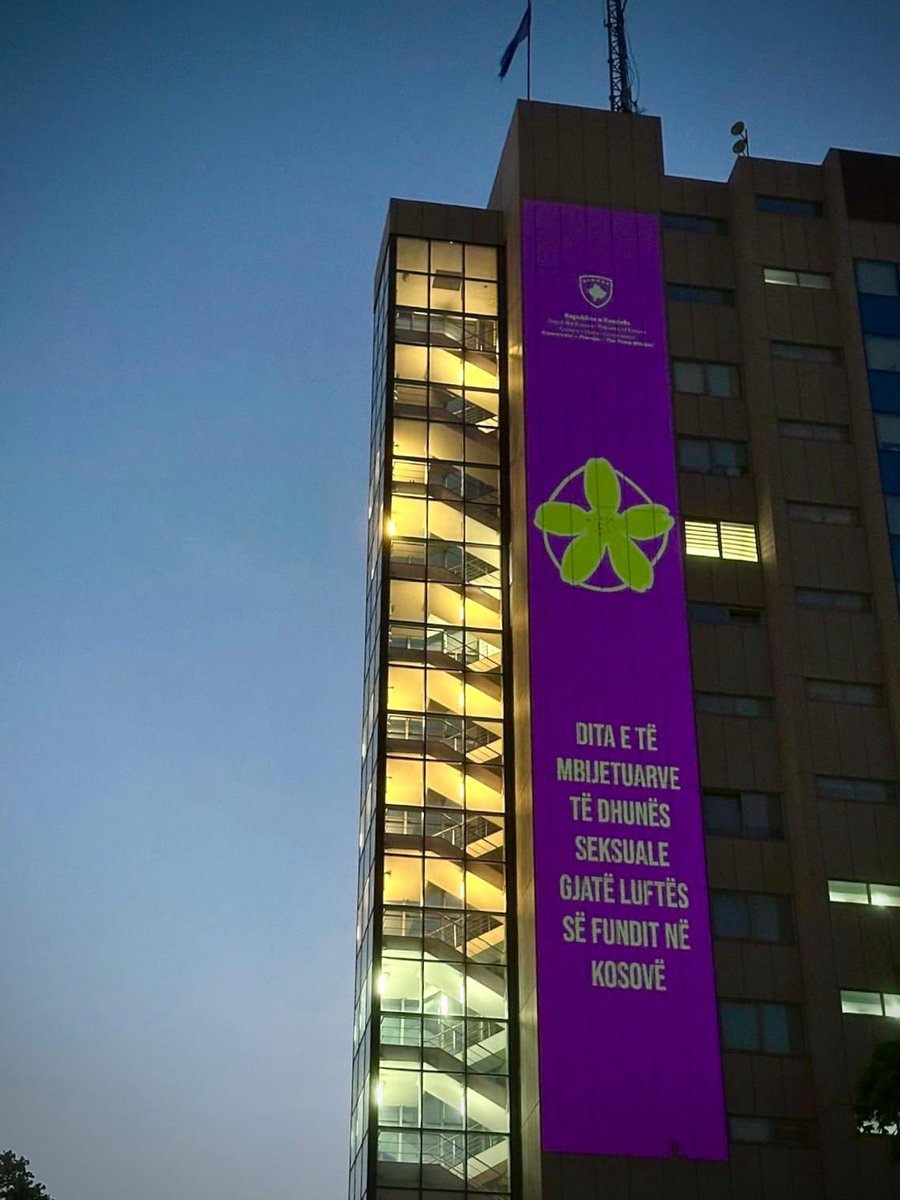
{"x":602,"y":532}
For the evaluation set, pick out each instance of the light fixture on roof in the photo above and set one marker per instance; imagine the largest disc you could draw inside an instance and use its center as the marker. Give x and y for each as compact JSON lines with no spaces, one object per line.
{"x":742,"y":146}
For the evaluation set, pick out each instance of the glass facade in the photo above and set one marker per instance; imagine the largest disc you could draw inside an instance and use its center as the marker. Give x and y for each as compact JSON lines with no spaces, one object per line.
{"x":431,"y":1112}
{"x":878,"y":289}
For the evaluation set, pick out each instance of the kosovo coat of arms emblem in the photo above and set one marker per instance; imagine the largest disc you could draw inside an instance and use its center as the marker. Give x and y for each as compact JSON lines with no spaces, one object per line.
{"x":596,"y":289}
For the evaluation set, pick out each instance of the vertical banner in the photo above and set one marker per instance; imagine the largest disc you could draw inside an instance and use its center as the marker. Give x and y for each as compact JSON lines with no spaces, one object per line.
{"x":629,"y":1054}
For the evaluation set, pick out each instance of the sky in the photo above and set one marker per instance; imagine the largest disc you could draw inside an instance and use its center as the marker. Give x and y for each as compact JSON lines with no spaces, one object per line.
{"x":192,"y":194}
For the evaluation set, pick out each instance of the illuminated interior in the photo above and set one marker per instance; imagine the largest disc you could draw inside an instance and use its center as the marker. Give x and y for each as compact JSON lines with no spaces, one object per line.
{"x":434,"y":1102}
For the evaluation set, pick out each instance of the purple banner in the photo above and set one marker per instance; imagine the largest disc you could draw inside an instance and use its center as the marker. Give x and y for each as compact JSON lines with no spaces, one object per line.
{"x":629,"y":1053}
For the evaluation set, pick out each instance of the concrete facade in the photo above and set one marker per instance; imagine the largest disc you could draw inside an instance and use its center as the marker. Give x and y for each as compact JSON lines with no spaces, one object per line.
{"x":816,"y":614}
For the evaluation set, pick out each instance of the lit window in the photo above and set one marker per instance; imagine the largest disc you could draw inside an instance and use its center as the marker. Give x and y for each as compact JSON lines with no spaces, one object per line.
{"x":880,"y":895}
{"x":884,"y":895}
{"x":701,"y":538}
{"x":839,"y":692}
{"x":807,"y":279}
{"x":689,"y":293}
{"x":823,"y":514}
{"x":845,"y":891}
{"x":481,"y":262}
{"x":412,"y":254}
{"x":721,"y":539}
{"x":789,"y":206}
{"x":806,"y":352}
{"x":864,"y":1004}
{"x":840,"y":787}
{"x":877,"y":278}
{"x":816,"y":431}
{"x":738,"y":541}
{"x":882,"y":353}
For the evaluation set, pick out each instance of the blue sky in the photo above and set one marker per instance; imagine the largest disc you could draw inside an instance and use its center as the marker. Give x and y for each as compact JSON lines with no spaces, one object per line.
{"x":192,"y":199}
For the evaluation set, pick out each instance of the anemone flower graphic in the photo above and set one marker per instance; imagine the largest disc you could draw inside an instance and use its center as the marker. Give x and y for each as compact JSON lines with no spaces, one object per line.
{"x":601,"y":530}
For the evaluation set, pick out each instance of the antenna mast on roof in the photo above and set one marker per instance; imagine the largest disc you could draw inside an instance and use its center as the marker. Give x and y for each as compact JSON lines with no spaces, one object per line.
{"x":620,"y":97}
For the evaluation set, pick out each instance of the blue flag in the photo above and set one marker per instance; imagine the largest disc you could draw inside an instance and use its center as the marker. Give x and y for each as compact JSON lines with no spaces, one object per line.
{"x":523,"y":32}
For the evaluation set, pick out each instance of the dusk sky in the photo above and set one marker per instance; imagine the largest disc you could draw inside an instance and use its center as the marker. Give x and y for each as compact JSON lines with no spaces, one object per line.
{"x":193,"y":193}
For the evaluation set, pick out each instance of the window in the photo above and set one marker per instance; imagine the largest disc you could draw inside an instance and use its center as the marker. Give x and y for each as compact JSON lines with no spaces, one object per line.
{"x":711,"y":457}
{"x":777,"y":1131}
{"x":723,"y":704}
{"x":877,"y":278}
{"x":882,"y":353}
{"x":441,"y":978}
{"x":833,"y":601}
{"x":870,"y":1004}
{"x":822,"y":514}
{"x":789,"y":206}
{"x":807,"y":279}
{"x":756,"y":917}
{"x":846,"y":891}
{"x":839,"y":692}
{"x":805,"y":352}
{"x":892,"y":507}
{"x":703,"y":612}
{"x":764,"y":1027}
{"x":816,"y":431}
{"x":887,"y":431}
{"x":689,"y":223}
{"x":743,"y":814}
{"x":706,"y":378}
{"x":721,"y":539}
{"x":872,"y":791}
{"x":689,"y":293}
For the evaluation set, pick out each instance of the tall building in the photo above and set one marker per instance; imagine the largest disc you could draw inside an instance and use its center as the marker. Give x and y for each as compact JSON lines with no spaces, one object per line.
{"x":629,"y":915}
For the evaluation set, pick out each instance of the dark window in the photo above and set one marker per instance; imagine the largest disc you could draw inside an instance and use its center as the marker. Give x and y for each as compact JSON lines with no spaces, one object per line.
{"x":711,"y":457}
{"x":815,"y":431}
{"x":834,"y":601}
{"x":877,"y":278}
{"x":887,"y":431}
{"x":882,"y":353}
{"x":841,"y":787}
{"x":822,"y":514}
{"x":751,"y":916}
{"x":789,"y":206}
{"x":706,"y":378}
{"x":773,"y":1131}
{"x":724,"y":705}
{"x":760,"y":1026}
{"x":704,"y":612}
{"x":806,"y":352}
{"x":841,"y":692}
{"x":689,"y":223}
{"x":743,"y":814}
{"x":689,"y":293}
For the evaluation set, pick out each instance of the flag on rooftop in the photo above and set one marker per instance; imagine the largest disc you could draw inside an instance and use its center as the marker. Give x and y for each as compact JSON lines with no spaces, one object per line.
{"x":523,"y":32}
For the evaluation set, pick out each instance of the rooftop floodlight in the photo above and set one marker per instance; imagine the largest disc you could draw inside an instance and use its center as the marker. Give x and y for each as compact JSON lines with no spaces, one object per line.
{"x":740,"y":131}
